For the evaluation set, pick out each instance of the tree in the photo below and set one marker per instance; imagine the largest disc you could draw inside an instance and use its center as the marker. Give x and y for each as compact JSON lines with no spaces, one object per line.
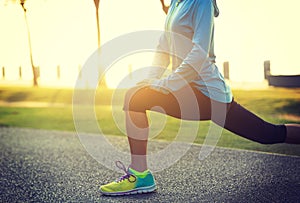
{"x":34,"y":69}
{"x":97,"y":3}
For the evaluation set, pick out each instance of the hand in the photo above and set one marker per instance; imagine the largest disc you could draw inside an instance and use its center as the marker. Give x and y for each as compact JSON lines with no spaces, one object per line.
{"x":154,"y":84}
{"x":158,"y":85}
{"x":145,"y":82}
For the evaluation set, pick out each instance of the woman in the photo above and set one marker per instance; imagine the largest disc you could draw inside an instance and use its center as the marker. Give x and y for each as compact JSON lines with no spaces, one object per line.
{"x":194,"y":77}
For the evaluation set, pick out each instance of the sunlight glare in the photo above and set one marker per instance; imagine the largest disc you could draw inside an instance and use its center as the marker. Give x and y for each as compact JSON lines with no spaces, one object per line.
{"x":64,"y":34}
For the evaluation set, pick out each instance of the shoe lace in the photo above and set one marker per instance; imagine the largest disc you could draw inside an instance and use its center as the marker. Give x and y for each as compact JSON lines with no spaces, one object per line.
{"x":127,"y":175}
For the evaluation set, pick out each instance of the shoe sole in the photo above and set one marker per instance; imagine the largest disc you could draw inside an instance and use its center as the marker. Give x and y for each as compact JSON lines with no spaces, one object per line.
{"x":141,"y":190}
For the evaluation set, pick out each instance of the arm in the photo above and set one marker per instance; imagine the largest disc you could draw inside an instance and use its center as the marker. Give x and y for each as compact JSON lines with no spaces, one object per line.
{"x":188,"y":70}
{"x":161,"y":58}
{"x":160,"y":61}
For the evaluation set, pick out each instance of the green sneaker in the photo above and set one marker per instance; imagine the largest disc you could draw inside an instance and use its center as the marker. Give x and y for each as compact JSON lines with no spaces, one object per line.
{"x":132,"y":182}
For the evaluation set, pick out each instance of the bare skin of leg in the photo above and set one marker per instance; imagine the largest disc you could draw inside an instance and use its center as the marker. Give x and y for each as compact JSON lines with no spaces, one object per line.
{"x":137,"y":128}
{"x":293,"y":134}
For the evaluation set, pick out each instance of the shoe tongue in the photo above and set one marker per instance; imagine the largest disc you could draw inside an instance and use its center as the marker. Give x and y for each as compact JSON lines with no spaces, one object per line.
{"x":137,"y":173}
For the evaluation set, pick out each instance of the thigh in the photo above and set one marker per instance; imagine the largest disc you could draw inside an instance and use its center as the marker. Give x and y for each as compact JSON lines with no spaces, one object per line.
{"x":188,"y":103}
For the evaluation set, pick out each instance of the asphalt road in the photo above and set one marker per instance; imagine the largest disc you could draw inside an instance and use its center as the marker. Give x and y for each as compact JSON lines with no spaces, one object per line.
{"x":52,"y":166}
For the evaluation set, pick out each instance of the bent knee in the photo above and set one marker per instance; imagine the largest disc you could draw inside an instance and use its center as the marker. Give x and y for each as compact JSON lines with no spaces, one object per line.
{"x":133,"y":100}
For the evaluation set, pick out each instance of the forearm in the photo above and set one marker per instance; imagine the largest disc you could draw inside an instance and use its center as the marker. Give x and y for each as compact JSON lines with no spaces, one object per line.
{"x":187,"y":71}
{"x":160,"y":63}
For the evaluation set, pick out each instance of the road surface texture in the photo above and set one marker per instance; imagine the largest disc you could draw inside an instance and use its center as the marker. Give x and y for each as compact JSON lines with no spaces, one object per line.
{"x":53,"y":166}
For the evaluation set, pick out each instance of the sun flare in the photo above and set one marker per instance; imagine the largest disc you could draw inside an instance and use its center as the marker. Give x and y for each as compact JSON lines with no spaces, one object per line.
{"x":64,"y":35}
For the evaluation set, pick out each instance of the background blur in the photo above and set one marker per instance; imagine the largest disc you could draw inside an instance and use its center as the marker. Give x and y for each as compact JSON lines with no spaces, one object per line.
{"x":64,"y":34}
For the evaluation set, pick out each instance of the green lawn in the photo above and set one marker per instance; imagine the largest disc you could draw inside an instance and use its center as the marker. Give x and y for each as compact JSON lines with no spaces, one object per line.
{"x":276,"y":105}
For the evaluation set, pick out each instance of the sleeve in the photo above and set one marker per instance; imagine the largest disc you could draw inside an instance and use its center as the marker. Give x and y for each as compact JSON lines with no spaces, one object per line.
{"x":188,"y":70}
{"x":161,"y":59}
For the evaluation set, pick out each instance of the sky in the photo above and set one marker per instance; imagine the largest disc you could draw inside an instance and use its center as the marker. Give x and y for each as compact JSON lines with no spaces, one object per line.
{"x":63,"y":33}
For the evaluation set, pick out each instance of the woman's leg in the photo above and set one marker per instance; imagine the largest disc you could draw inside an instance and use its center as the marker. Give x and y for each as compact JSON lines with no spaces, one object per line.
{"x":238,"y":119}
{"x":137,"y":132}
{"x":244,"y":123}
{"x":139,"y":100}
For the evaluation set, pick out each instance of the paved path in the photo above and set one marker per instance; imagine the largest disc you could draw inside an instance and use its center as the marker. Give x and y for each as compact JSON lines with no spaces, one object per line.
{"x":52,"y":166}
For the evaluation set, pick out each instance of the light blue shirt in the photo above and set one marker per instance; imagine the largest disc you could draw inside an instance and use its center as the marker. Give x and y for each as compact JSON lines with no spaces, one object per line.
{"x":193,"y":19}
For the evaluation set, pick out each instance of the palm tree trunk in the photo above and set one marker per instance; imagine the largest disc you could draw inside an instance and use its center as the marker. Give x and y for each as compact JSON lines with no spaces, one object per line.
{"x":98,"y":27}
{"x":34,"y":70}
{"x":97,"y":2}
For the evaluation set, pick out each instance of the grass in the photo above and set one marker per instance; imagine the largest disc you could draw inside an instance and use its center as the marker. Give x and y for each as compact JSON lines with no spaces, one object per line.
{"x":276,"y":105}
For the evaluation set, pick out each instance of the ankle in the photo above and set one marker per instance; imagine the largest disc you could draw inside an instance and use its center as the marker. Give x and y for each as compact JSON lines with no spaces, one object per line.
{"x":139,"y":162}
{"x":138,"y":168}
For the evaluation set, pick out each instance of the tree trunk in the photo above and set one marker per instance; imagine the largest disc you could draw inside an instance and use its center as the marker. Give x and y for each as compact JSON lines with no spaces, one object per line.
{"x":97,"y":3}
{"x":98,"y":26}
{"x":34,"y":70}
